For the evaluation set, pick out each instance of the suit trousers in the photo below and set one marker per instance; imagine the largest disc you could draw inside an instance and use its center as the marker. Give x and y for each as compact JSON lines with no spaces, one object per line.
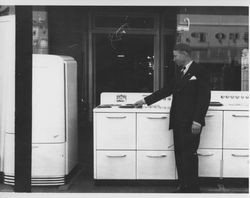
{"x":186,"y":158}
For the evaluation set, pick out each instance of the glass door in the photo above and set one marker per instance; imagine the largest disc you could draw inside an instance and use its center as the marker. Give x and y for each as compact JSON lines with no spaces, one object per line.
{"x":125,"y":64}
{"x":123,"y":51}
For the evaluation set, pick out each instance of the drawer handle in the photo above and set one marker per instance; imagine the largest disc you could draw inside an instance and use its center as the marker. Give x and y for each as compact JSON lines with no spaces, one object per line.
{"x":35,"y":147}
{"x":170,"y":146}
{"x":163,"y":117}
{"x":205,"y":155}
{"x":157,"y":156}
{"x":9,"y":132}
{"x":240,"y":116}
{"x":118,"y":156}
{"x":118,"y":117}
{"x":237,"y":155}
{"x":209,"y":115}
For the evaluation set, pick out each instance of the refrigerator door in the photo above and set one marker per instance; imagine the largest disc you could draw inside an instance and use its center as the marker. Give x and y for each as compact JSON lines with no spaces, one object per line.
{"x":48,"y":99}
{"x":7,"y":79}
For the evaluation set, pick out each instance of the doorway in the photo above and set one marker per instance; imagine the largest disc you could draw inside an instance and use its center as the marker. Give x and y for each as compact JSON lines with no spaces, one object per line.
{"x":123,"y":65}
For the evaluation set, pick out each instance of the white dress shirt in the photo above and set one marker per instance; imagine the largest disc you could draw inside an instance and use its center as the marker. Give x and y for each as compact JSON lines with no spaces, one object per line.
{"x":187,"y":67}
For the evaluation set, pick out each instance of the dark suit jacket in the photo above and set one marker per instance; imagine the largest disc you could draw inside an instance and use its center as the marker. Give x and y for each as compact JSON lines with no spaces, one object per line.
{"x":191,"y":98}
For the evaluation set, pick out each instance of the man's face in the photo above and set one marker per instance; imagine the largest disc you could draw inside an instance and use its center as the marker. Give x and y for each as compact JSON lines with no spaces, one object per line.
{"x":179,"y":58}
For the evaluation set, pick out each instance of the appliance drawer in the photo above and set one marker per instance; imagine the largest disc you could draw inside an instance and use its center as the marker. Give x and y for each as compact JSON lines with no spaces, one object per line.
{"x":115,"y":130}
{"x":48,"y":160}
{"x":236,"y":163}
{"x":115,"y":165}
{"x":211,"y":135}
{"x":210,"y":162}
{"x":155,"y":165}
{"x":236,"y":129}
{"x":153,"y":132}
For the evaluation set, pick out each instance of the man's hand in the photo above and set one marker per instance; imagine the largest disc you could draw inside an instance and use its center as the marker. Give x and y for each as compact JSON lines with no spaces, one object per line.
{"x":196,"y":128}
{"x":139,"y":103}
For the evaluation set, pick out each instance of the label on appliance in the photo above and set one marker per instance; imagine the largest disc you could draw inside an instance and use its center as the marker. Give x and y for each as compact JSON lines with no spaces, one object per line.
{"x":121,"y":98}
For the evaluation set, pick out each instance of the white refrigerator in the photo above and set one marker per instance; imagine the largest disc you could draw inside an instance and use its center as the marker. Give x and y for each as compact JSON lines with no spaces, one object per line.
{"x":7,"y":80}
{"x":54,"y":122}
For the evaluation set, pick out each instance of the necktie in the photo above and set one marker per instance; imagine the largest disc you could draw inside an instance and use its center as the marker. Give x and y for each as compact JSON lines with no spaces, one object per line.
{"x":182,"y":71}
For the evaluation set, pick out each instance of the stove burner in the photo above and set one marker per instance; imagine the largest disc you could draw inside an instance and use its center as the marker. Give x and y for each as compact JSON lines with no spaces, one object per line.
{"x":127,"y":106}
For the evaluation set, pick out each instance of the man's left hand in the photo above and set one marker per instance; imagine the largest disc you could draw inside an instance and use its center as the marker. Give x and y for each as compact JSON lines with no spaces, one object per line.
{"x":196,"y":128}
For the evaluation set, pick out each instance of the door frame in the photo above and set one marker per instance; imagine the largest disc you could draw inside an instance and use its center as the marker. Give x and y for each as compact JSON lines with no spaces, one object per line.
{"x":155,"y":32}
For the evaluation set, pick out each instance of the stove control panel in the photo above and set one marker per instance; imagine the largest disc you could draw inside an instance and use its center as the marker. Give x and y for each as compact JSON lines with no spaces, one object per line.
{"x":231,"y":98}
{"x":124,"y":100}
{"x":218,"y":98}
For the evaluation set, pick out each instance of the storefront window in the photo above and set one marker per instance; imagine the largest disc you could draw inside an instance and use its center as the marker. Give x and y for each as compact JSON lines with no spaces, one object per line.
{"x":218,"y":37}
{"x":123,"y":51}
{"x":132,"y":50}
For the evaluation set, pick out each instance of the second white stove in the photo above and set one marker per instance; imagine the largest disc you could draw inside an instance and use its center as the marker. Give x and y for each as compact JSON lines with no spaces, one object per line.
{"x":135,"y":143}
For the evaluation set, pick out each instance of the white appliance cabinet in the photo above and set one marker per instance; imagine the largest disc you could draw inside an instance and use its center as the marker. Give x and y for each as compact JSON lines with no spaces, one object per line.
{"x":155,"y":152}
{"x":54,"y":122}
{"x":133,"y":146}
{"x":115,"y":144}
{"x":236,"y":144}
{"x":210,"y":148}
{"x":137,"y":144}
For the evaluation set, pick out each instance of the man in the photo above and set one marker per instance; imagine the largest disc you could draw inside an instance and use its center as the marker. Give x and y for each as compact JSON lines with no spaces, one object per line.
{"x":190,"y":100}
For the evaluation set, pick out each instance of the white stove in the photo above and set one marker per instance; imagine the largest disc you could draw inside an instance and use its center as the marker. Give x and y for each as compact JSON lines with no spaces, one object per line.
{"x":123,"y":102}
{"x":135,"y":143}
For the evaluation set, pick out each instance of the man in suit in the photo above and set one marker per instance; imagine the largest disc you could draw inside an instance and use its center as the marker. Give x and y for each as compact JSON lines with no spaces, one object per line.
{"x":190,"y":101}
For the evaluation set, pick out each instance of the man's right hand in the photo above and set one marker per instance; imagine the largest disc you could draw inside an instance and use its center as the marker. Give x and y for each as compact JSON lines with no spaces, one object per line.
{"x":139,"y":103}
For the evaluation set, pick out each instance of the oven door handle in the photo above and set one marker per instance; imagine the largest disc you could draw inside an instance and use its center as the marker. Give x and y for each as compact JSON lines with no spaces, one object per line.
{"x":157,"y":156}
{"x":116,"y":117}
{"x":162,"y":117}
{"x":240,"y":116}
{"x":238,"y":155}
{"x":205,"y":155}
{"x":116,"y":156}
